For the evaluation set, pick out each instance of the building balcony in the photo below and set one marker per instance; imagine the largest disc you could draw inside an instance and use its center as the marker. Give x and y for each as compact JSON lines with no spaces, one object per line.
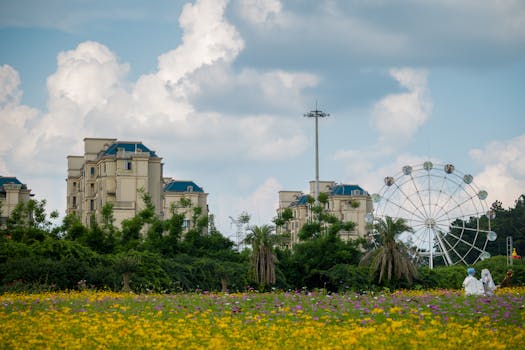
{"x":123,"y":205}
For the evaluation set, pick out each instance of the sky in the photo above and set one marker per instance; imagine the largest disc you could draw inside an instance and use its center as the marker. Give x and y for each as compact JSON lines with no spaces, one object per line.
{"x":219,"y":90}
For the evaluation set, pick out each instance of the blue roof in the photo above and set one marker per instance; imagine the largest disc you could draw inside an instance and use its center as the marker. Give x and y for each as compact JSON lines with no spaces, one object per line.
{"x":182,"y":186}
{"x":347,"y":190}
{"x":7,"y":180}
{"x":128,"y":147}
{"x":301,"y":200}
{"x":337,"y":190}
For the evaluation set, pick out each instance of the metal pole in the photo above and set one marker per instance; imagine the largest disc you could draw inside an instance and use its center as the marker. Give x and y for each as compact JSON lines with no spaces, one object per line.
{"x":509,"y":250}
{"x":316,"y":114}
{"x":316,"y":161}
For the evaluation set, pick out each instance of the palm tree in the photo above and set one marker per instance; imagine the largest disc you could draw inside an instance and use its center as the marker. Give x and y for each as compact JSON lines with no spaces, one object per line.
{"x":126,"y":264}
{"x":263,"y":259}
{"x":391,"y":258}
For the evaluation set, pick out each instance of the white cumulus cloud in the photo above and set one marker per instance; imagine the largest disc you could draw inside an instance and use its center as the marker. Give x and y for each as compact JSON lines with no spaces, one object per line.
{"x":87,"y":75}
{"x":503,"y":175}
{"x":14,"y":117}
{"x":207,"y":38}
{"x":397,"y":117}
{"x":89,"y":95}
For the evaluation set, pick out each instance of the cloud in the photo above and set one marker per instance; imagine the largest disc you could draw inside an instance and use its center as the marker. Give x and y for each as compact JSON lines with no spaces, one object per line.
{"x":87,"y":76}
{"x":368,"y":168}
{"x":9,"y":86}
{"x":258,"y":11}
{"x":503,"y":174}
{"x":261,"y":204}
{"x":382,"y":33}
{"x":207,"y":38}
{"x":87,"y":79}
{"x":397,"y":117}
{"x":218,"y":88}
{"x":89,"y":95}
{"x":14,"y":118}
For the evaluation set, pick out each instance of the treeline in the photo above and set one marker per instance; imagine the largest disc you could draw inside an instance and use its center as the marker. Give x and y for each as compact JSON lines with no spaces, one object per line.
{"x":149,"y":254}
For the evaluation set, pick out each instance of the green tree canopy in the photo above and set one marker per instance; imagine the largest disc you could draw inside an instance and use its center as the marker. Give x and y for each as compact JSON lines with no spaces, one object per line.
{"x":390,"y":259}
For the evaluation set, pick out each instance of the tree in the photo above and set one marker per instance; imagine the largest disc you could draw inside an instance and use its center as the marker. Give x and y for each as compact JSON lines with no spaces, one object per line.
{"x":28,"y":221}
{"x":390,"y":259}
{"x":126,"y":264}
{"x":72,"y":228}
{"x":108,"y":226}
{"x":263,"y":258}
{"x":510,"y":222}
{"x":324,"y":223}
{"x":312,"y":259}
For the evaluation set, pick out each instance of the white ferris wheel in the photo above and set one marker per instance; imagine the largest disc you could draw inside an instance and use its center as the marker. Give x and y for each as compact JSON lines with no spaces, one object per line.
{"x":447,"y":212}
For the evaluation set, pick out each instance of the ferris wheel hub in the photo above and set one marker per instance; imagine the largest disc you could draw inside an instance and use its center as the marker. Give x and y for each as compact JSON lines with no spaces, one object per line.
{"x":430,"y":223}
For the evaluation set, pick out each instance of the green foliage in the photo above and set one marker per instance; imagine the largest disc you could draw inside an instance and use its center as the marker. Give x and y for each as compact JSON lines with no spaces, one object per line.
{"x":508,"y":223}
{"x":346,"y":277}
{"x":323,"y":198}
{"x":323,"y":222}
{"x":72,"y":228}
{"x":131,"y":229}
{"x":309,"y":199}
{"x":50,"y":264}
{"x":28,"y":222}
{"x":148,"y":213}
{"x":263,"y":259}
{"x":151,"y":254}
{"x":126,"y":264}
{"x":310,"y":230}
{"x":309,"y":261}
{"x":390,"y":260}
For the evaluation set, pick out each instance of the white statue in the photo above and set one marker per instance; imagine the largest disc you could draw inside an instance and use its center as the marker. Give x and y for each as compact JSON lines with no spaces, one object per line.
{"x":488,"y":284}
{"x":472,"y":285}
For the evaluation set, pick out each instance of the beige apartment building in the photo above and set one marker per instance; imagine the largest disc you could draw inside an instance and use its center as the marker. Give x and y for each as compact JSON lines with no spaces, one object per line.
{"x":117,"y":172}
{"x":12,"y":192}
{"x":177,"y":190}
{"x":346,"y":202}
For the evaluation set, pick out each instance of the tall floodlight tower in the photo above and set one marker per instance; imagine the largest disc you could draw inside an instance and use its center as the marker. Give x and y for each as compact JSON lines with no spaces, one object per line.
{"x":316,"y":114}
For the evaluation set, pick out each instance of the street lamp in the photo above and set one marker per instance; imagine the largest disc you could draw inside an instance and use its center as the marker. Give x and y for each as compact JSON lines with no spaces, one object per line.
{"x":316,"y":114}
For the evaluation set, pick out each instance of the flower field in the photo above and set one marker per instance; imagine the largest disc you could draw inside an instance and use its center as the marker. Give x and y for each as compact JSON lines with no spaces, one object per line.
{"x":402,"y":320}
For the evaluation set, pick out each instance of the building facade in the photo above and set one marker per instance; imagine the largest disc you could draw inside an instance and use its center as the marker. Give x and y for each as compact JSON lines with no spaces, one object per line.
{"x":12,"y":192}
{"x":176,"y":192}
{"x":346,"y":202}
{"x":119,"y":172}
{"x":116,"y":172}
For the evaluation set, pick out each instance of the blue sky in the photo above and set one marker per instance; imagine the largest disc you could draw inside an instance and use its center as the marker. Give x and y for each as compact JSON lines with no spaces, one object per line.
{"x":219,"y":89}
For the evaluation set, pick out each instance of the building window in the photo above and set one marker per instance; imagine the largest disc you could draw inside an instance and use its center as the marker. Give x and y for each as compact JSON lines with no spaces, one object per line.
{"x":74,"y":202}
{"x":74,"y":185}
{"x":189,"y":189}
{"x":128,"y":164}
{"x":92,"y":205}
{"x":186,"y":223}
{"x":92,"y":171}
